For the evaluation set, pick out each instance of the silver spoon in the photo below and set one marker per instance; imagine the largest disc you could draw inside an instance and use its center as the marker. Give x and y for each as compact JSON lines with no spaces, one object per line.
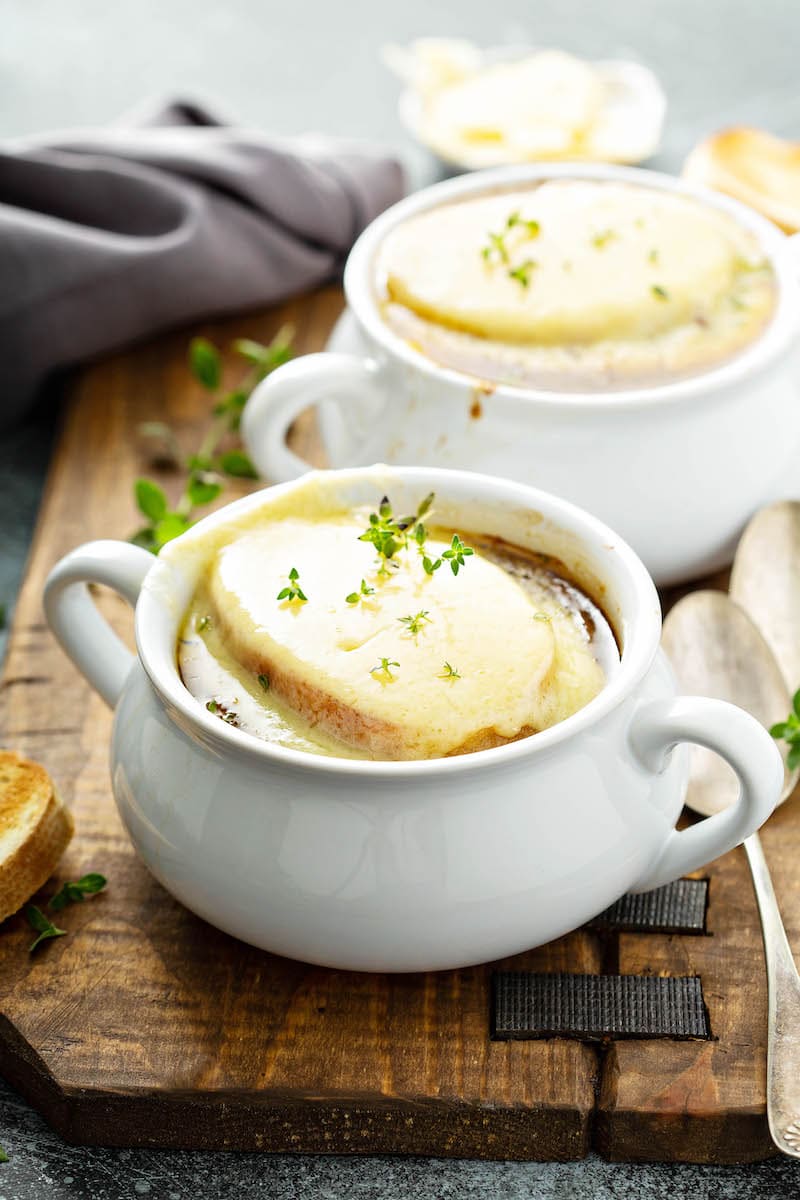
{"x":765,"y":582}
{"x":716,"y":650}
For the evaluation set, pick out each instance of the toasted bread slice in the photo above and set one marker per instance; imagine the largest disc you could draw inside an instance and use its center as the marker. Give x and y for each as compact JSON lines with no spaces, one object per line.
{"x":35,"y":829}
{"x":752,"y":166}
{"x":373,"y":672}
{"x":533,"y":267}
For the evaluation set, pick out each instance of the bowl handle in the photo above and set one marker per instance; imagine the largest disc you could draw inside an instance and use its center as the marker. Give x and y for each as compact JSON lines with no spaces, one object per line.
{"x":285,"y":393}
{"x":82,"y":632}
{"x":742,"y":742}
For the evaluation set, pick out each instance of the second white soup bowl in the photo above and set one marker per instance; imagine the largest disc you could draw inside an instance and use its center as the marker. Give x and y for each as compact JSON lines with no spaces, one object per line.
{"x":406,"y":866}
{"x":677,"y":468}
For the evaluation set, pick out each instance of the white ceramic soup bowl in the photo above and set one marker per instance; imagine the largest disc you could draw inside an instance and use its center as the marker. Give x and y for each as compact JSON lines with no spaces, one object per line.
{"x":677,"y":468}
{"x":405,"y":866}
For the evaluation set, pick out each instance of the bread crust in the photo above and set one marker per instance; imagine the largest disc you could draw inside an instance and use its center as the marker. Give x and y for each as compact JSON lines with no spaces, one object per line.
{"x":381,"y":739}
{"x":35,"y":830}
{"x":749,"y":164}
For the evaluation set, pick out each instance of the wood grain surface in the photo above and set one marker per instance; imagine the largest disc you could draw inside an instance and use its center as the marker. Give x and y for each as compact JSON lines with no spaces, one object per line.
{"x":145,"y":1026}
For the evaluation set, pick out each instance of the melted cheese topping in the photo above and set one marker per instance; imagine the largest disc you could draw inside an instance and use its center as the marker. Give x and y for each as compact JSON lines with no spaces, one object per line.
{"x":581,"y":278}
{"x":523,"y":660}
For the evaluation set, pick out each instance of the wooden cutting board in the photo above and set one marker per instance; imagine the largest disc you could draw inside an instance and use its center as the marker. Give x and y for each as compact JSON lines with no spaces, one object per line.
{"x":145,"y":1026}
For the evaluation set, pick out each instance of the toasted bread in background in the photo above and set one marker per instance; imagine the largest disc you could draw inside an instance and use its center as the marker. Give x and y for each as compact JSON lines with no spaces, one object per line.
{"x":35,"y":829}
{"x":761,"y":170}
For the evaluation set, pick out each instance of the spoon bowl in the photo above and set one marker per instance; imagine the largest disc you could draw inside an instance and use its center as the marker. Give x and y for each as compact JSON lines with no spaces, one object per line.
{"x":716,"y":650}
{"x":765,"y":582}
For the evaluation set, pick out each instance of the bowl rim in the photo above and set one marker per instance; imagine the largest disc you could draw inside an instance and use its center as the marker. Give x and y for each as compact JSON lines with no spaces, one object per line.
{"x":617,"y":566}
{"x":776,"y":339}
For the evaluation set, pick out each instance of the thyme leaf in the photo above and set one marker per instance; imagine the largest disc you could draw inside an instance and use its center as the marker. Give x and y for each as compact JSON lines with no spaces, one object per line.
{"x":415,"y":624}
{"x":522,"y":273}
{"x":42,"y":926}
{"x":293,"y":590}
{"x":789,"y":731}
{"x":210,"y":463}
{"x":389,"y":534}
{"x":74,"y":891}
{"x":457,"y":553}
{"x":363,"y":591}
{"x":384,"y":667}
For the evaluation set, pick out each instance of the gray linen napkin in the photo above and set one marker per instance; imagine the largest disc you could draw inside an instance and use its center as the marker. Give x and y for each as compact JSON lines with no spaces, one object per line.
{"x":107,"y":236}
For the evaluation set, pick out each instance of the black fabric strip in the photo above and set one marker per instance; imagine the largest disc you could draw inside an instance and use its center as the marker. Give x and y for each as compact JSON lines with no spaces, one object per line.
{"x":596,"y":1007}
{"x":680,"y":907}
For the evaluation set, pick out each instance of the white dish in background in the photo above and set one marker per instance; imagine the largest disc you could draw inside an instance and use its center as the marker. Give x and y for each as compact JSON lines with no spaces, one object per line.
{"x":625,"y":125}
{"x":678,"y":467}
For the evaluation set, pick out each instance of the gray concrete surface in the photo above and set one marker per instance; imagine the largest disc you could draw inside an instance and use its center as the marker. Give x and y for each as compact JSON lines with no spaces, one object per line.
{"x":289,"y":67}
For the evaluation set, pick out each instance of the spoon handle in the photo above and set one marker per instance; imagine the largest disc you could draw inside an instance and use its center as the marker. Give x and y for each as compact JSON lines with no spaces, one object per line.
{"x":783,"y":1034}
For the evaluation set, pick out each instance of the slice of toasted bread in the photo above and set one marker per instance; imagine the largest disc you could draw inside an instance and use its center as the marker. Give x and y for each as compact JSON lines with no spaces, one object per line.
{"x":35,"y":829}
{"x":755,"y":167}
{"x":440,"y":265}
{"x":374,"y":672}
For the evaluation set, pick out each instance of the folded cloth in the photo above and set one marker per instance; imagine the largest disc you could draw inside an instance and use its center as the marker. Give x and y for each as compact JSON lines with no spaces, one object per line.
{"x":109,"y":235}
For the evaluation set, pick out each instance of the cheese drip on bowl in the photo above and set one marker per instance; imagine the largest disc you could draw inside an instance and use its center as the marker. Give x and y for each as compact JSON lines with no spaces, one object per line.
{"x":575,"y":284}
{"x":391,"y":663}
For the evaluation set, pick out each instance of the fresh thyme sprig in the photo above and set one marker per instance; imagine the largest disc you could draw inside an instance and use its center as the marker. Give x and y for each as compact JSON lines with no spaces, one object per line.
{"x":789,"y":731}
{"x":415,"y":624}
{"x":522,"y":273}
{"x":455,"y":555}
{"x":292,"y":591}
{"x":496,"y":248}
{"x":72,"y":891}
{"x":42,"y":926}
{"x":449,"y":672}
{"x":389,"y":534}
{"x":76,"y":891}
{"x":385,"y":667}
{"x":659,"y":292}
{"x":601,"y":239}
{"x":532,"y":228}
{"x":207,"y":466}
{"x":363,"y":591}
{"x":496,"y":245}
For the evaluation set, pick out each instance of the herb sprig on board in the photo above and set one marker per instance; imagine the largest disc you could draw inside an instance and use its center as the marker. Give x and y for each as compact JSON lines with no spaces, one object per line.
{"x":72,"y":891}
{"x":42,"y":926}
{"x":76,"y":891}
{"x":207,"y":467}
{"x":789,"y":731}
